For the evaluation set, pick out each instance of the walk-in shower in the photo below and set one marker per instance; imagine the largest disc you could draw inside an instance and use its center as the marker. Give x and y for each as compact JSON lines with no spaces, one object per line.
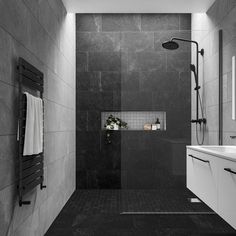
{"x":173,"y":45}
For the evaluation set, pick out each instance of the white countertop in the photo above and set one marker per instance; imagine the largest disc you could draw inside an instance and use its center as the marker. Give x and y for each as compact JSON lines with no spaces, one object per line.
{"x":226,"y":152}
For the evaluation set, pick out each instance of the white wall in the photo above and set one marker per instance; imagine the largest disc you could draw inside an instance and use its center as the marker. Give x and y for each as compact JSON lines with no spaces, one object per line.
{"x":205,"y":29}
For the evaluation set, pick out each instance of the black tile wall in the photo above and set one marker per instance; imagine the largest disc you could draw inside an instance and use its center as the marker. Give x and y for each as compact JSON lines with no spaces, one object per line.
{"x":121,"y":65}
{"x":156,"y":22}
{"x":81,"y":61}
{"x":146,"y":61}
{"x":98,"y":42}
{"x":137,"y":41}
{"x":88,"y":22}
{"x":104,"y":61}
{"x":88,"y":81}
{"x":121,"y":22}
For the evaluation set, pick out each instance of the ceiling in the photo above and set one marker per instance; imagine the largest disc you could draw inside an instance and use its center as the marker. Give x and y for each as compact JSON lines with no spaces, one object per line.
{"x":137,"y":6}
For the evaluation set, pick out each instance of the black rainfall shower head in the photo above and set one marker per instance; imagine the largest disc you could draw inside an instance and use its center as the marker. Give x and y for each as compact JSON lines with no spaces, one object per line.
{"x":170,"y":45}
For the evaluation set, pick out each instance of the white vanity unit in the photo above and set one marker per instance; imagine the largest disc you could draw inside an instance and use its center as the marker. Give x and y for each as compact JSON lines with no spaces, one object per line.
{"x":211,"y":176}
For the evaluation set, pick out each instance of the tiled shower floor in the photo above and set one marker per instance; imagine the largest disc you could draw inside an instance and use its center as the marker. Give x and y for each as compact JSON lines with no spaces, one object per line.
{"x":97,"y":212}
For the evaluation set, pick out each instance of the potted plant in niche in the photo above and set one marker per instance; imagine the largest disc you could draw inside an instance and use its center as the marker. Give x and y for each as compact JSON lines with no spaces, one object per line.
{"x":113,"y":123}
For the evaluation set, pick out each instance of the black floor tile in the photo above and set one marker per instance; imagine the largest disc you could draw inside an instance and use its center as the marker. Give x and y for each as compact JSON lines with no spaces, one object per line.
{"x":97,"y":213}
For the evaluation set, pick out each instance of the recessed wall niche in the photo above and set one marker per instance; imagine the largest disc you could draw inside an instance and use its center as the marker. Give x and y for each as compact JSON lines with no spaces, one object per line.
{"x":136,"y":119}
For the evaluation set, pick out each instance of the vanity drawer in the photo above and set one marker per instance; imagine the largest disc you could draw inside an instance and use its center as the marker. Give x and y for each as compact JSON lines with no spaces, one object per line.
{"x":227,"y":191}
{"x":202,"y":176}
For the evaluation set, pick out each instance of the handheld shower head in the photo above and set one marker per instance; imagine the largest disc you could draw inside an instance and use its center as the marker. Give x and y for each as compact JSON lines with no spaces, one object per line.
{"x":193,"y":68}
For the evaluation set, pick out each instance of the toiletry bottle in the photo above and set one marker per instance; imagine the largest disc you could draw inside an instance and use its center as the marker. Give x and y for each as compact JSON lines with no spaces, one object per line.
{"x":158,"y":124}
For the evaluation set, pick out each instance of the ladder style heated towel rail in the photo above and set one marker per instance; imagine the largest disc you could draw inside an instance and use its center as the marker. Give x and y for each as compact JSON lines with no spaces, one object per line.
{"x":31,"y":172}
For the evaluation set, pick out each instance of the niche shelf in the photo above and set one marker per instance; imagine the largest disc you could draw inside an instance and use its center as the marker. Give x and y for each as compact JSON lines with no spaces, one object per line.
{"x":136,"y":119}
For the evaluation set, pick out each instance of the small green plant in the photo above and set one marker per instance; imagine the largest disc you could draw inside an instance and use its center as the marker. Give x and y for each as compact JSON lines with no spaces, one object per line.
{"x":113,"y":121}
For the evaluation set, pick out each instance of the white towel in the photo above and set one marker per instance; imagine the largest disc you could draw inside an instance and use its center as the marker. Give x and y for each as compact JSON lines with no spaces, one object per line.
{"x":33,"y":143}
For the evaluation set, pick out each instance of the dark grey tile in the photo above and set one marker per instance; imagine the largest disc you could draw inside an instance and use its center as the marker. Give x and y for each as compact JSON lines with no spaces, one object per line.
{"x":81,"y":180}
{"x":120,"y":22}
{"x":137,"y":41}
{"x":97,"y":42}
{"x":81,"y":120}
{"x":87,"y":140}
{"x":92,"y":179}
{"x":109,"y":179}
{"x":124,"y":61}
{"x":88,"y":158}
{"x":184,"y":89}
{"x":130,"y":81}
{"x":182,"y":117}
{"x":88,"y":81}
{"x":137,"y":159}
{"x":116,"y":100}
{"x":104,"y":61}
{"x":161,"y":82}
{"x":88,"y":22}
{"x":140,"y":179}
{"x":129,"y":142}
{"x":185,"y":22}
{"x":145,"y":61}
{"x":155,"y":22}
{"x":94,"y":120}
{"x":179,"y":62}
{"x":111,"y":81}
{"x":106,"y":101}
{"x":159,"y":101}
{"x":162,"y":36}
{"x":88,"y":100}
{"x":81,"y":61}
{"x":136,"y":101}
{"x":80,"y":163}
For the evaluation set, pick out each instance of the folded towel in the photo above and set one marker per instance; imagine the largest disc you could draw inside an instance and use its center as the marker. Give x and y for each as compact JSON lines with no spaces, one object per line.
{"x":33,"y":143}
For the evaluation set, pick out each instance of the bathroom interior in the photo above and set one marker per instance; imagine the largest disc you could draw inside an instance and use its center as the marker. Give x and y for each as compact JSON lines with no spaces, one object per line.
{"x":117,"y":118}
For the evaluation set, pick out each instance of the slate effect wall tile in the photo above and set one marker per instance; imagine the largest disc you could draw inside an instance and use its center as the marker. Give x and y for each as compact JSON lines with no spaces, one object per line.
{"x":155,"y":22}
{"x":121,"y":65}
{"x":104,"y":61}
{"x":98,"y":42}
{"x":121,"y":22}
{"x":137,"y":41}
{"x":88,"y":22}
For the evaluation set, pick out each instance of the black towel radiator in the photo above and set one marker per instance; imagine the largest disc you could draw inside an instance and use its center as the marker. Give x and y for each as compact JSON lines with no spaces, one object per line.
{"x":31,"y":172}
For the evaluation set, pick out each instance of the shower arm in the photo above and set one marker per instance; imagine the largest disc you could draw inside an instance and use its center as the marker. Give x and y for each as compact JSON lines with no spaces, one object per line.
{"x":196,"y":77}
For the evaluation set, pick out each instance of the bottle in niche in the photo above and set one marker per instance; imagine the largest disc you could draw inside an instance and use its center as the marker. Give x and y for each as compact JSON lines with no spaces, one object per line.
{"x":157,"y":125}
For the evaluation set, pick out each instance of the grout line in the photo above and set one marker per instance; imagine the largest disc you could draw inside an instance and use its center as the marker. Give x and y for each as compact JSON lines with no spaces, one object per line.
{"x":69,"y":108}
{"x":167,"y":213}
{"x":9,"y":84}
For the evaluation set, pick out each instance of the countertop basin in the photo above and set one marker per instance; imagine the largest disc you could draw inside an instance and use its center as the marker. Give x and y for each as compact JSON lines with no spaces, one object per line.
{"x":227,"y":152}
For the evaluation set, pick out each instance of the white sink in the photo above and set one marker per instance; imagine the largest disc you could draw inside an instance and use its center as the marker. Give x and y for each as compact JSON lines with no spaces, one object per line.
{"x":224,"y":149}
{"x":228,"y":152}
